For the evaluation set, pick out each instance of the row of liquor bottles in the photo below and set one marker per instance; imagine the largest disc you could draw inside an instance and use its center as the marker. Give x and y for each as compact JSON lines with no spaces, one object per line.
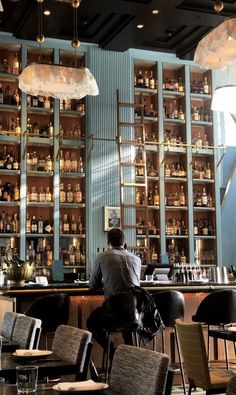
{"x":73,"y":194}
{"x":199,"y":171}
{"x":184,"y":273}
{"x":69,"y":225}
{"x":10,"y":67}
{"x":9,"y":192}
{"x":70,"y":163}
{"x":47,"y":103}
{"x":172,"y":139}
{"x":73,"y":255}
{"x":9,"y":95}
{"x":178,"y":227}
{"x":9,"y":159}
{"x":9,"y":223}
{"x":176,"y":199}
{"x":146,"y":80}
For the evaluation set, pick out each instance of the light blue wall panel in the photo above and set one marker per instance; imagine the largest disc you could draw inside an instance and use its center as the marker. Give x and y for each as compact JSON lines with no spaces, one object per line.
{"x":112,"y":71}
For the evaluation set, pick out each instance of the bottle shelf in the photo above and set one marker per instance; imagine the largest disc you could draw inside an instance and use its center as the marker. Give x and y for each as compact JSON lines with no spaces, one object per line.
{"x":2,"y":235}
{"x":40,"y":141}
{"x":71,"y":113}
{"x":200,"y":96}
{"x":39,"y":204}
{"x":35,"y":173}
{"x":201,"y":123}
{"x":145,"y":119}
{"x":5,"y":172}
{"x":10,"y":108}
{"x":72,"y":235}
{"x":145,"y":91}
{"x":39,"y":110}
{"x":171,"y":121}
{"x":8,"y":77}
{"x":73,"y":267}
{"x":175,"y":179}
{"x":203,"y":208}
{"x":200,"y":237}
{"x":203,"y":181}
{"x":9,"y":139}
{"x":153,"y":207}
{"x":173,"y":94}
{"x":70,"y":143}
{"x":176,"y":237}
{"x":72,"y":175}
{"x":202,"y":151}
{"x":72,"y":205}
{"x":9,"y":204}
{"x":37,"y":235}
{"x":176,"y":208}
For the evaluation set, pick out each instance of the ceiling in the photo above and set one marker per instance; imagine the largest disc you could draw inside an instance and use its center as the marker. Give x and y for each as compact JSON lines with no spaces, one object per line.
{"x":112,"y":24}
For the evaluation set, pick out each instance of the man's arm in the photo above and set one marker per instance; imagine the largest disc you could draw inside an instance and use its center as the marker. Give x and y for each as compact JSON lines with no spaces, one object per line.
{"x":95,"y":281}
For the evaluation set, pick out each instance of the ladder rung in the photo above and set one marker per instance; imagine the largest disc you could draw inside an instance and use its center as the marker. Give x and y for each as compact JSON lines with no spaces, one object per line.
{"x":133,"y":184}
{"x":135,"y":227}
{"x":133,"y":164}
{"x":126,"y":104}
{"x":130,"y":142}
{"x":131,"y":124}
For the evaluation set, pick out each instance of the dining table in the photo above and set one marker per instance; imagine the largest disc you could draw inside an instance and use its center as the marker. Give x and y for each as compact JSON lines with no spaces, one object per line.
{"x":48,"y":366}
{"x":10,"y":389}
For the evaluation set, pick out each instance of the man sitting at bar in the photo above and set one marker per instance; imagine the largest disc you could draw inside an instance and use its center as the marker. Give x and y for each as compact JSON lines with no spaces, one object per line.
{"x":116,"y":270}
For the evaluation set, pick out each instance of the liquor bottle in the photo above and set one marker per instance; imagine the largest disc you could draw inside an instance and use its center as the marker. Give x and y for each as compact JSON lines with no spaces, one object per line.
{"x":47,"y":227}
{"x":69,"y":194}
{"x":183,"y":258}
{"x":146,"y":80}
{"x":5,"y":68}
{"x":16,"y":193}
{"x":182,"y":200}
{"x":78,"y":197}
{"x":156,"y":197}
{"x":150,"y":198}
{"x":48,"y":164}
{"x":18,"y":127}
{"x":204,"y":197}
{"x":28,"y":223}
{"x":80,"y":225}
{"x":154,"y":255}
{"x":167,"y":170}
{"x":62,"y":161}
{"x":71,"y":255}
{"x":48,"y":195}
{"x":33,"y":196}
{"x":181,"y":115}
{"x":34,"y":101}
{"x":195,"y":228}
{"x":65,"y":224}
{"x":151,"y":80}
{"x":67,"y":162}
{"x":47,"y":104}
{"x":74,"y":163}
{"x":40,"y":225}
{"x":42,"y":194}
{"x":180,"y":85}
{"x":15,"y":224}
{"x":140,"y":79}
{"x":207,"y":172}
{"x":205,"y":86}
{"x":34,"y":161}
{"x":15,"y":65}
{"x":73,"y":225}
{"x":49,"y":255}
{"x":62,"y":193}
{"x":34,"y":225}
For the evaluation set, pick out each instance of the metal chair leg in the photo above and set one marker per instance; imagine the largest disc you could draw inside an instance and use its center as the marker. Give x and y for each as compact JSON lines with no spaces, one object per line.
{"x":180,"y":360}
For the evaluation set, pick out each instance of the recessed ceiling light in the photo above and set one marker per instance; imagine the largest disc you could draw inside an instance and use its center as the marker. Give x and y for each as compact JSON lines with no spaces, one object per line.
{"x":47,"y":12}
{"x":140,"y":26}
{"x":155,"y":12}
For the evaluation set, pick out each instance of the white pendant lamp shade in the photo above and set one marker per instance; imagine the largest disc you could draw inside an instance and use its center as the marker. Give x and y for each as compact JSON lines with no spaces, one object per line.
{"x":57,"y":81}
{"x":218,"y":48}
{"x":224,"y":99}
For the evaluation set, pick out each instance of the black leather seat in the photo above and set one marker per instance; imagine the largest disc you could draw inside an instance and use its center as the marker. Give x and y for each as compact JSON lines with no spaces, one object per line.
{"x":170,"y":305}
{"x":52,"y":309}
{"x":217,"y":308}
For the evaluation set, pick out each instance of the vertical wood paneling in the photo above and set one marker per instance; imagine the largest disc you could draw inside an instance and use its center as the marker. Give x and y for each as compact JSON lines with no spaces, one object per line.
{"x":112,"y":71}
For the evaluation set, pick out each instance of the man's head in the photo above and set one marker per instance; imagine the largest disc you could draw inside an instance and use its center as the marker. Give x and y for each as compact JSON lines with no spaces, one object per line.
{"x":115,"y":237}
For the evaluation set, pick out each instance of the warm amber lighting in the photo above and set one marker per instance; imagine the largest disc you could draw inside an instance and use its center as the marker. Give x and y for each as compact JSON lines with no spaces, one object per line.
{"x":140,"y":26}
{"x":155,"y":12}
{"x":47,"y":12}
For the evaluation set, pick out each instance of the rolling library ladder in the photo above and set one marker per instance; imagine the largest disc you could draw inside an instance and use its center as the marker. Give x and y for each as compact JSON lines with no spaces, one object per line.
{"x":133,"y":175}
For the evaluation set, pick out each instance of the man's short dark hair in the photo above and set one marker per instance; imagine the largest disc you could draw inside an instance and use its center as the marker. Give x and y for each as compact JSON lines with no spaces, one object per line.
{"x":116,"y":237}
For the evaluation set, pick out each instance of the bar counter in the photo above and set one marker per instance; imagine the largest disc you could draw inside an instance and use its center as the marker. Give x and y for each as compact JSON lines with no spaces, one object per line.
{"x":83,"y":300}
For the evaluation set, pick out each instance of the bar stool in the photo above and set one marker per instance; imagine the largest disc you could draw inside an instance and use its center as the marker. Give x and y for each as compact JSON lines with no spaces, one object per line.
{"x":170,"y":305}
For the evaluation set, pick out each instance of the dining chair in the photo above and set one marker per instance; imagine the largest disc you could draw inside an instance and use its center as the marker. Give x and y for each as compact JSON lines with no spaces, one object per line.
{"x":73,"y":345}
{"x":52,"y":310}
{"x":26,"y":331}
{"x":138,"y":371}
{"x":7,"y":324}
{"x":217,"y":309}
{"x":193,"y":350}
{"x":231,"y":386}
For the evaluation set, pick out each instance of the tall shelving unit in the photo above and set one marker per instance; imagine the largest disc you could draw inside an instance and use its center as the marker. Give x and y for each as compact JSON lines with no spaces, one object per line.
{"x":46,"y":140}
{"x":181,"y":154}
